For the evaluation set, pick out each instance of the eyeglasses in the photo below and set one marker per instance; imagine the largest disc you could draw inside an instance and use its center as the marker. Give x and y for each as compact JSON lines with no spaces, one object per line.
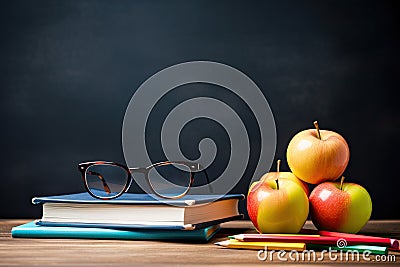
{"x":108,"y":180}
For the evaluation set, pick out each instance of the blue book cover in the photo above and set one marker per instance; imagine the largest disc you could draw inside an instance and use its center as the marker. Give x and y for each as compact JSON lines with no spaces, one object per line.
{"x":32,"y":230}
{"x":136,"y":199}
{"x":119,"y":226}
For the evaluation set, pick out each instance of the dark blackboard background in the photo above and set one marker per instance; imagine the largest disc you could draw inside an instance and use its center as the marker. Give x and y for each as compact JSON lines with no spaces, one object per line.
{"x":69,"y":69}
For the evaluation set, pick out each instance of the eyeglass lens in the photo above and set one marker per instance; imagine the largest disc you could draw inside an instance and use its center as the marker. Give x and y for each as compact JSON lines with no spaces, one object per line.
{"x":170,"y":180}
{"x":106,"y":180}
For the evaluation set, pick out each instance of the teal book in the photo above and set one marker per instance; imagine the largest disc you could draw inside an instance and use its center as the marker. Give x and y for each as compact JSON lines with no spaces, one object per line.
{"x":32,"y":230}
{"x":140,"y":211}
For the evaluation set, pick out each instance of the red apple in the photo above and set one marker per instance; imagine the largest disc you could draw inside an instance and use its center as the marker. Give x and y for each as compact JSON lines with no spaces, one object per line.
{"x":317,"y":156}
{"x":277,"y":206}
{"x":340,"y":207}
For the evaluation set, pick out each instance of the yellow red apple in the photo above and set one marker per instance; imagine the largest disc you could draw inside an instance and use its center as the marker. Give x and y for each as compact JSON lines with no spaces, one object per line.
{"x":340,"y":207}
{"x":316,"y":156}
{"x":277,"y":206}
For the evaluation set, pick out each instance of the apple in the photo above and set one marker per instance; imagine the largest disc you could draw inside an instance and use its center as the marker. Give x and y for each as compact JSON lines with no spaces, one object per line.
{"x":277,"y":206}
{"x":285,"y":175}
{"x":317,"y":156}
{"x":340,"y":207}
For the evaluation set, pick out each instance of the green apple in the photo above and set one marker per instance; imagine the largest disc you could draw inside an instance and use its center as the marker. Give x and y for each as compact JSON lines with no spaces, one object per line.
{"x":277,"y":206}
{"x":340,"y":207}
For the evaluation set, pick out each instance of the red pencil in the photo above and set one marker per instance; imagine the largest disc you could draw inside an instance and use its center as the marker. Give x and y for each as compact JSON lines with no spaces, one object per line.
{"x":323,"y":240}
{"x":394,"y":243}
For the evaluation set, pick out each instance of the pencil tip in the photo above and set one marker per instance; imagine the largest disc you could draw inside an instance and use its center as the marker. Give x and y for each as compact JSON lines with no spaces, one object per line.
{"x":222,"y":243}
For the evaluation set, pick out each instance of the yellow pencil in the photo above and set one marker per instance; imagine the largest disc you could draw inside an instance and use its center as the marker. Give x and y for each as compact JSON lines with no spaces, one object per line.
{"x":232,"y":243}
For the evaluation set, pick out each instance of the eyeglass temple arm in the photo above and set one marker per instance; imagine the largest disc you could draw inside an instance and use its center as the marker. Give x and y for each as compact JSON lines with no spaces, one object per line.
{"x":105,"y":185}
{"x":208,"y":181}
{"x":200,"y":167}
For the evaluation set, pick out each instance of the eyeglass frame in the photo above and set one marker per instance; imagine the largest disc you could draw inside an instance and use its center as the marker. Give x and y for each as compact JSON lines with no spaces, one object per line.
{"x":193,"y":167}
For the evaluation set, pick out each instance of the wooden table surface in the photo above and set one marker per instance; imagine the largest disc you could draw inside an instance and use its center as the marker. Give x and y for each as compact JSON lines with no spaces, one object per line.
{"x":74,"y":252}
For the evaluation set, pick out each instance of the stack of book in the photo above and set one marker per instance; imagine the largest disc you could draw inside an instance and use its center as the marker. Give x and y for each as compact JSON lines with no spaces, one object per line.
{"x":312,"y":240}
{"x":193,"y":218}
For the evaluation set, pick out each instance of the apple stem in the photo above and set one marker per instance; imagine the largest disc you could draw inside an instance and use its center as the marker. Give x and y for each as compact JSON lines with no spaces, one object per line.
{"x":341,"y":183}
{"x":278,"y":166}
{"x":317,"y":127}
{"x":277,"y":184}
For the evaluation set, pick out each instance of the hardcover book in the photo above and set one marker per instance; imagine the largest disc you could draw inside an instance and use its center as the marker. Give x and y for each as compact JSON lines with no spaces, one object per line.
{"x":138,"y":211}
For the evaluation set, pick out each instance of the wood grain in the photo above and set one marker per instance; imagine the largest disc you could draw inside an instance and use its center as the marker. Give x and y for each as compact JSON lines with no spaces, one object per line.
{"x":78,"y":252}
